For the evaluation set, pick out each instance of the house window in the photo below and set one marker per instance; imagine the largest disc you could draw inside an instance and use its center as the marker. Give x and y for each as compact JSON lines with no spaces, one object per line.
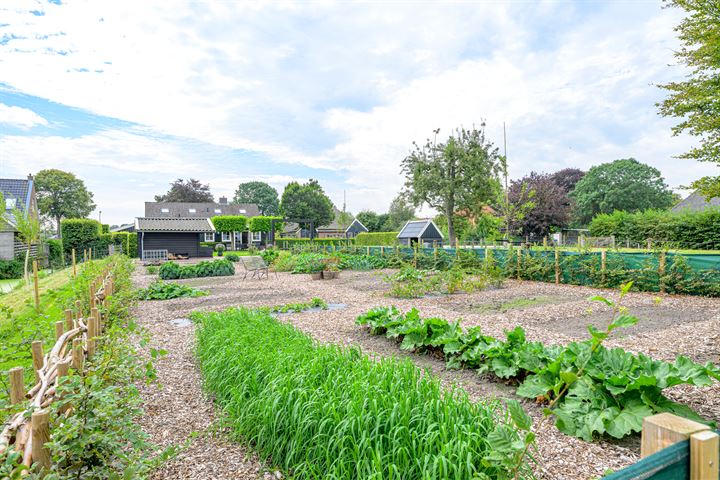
{"x":217,"y":210}
{"x":225,"y":236}
{"x":165,"y":210}
{"x":192,"y":210}
{"x":242,"y":210}
{"x":256,"y":236}
{"x":209,"y":237}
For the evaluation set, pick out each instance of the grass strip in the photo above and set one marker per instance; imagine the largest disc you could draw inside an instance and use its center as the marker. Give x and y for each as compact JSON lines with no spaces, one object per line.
{"x":322,"y":411}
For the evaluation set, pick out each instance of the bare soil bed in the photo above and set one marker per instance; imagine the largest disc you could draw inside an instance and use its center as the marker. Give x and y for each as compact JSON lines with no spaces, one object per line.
{"x":549,"y":313}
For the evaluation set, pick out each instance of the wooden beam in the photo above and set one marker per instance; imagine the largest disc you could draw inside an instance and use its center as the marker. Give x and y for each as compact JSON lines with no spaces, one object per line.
{"x":704,"y":455}
{"x":665,"y":429}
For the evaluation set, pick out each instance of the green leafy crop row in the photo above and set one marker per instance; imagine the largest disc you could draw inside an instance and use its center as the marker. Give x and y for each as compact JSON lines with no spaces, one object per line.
{"x":299,"y":307}
{"x":213,"y":268}
{"x":592,"y":390}
{"x":322,"y":411}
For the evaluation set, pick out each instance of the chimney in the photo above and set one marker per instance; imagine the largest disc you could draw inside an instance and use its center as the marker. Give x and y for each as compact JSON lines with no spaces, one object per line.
{"x":222,"y":200}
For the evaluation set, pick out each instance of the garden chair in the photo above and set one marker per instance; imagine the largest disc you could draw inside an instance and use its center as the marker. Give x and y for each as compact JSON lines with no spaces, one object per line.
{"x":255,"y":267}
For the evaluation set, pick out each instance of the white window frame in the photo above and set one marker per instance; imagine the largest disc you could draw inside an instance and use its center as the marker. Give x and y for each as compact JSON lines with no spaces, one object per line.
{"x":225,"y":237}
{"x":217,"y":210}
{"x":211,"y":235}
{"x":164,"y":210}
{"x":256,"y":236}
{"x":242,"y":210}
{"x":192,"y":210}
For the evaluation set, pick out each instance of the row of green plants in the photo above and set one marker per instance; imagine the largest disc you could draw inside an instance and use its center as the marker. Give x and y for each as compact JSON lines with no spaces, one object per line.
{"x":323,"y":411}
{"x":693,"y":230}
{"x":160,"y":290}
{"x":101,"y":438}
{"x":590,"y":390}
{"x":206,"y":268}
{"x":410,"y":282}
{"x":314,"y":302}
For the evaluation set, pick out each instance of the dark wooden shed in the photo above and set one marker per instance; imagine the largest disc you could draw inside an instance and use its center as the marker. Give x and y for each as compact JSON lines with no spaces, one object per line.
{"x":420,"y":232}
{"x":179,"y":236}
{"x":355,"y":227}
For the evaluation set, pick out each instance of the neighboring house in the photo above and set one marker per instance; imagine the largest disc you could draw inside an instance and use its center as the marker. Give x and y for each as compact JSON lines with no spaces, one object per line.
{"x":125,"y":227}
{"x":355,"y":228}
{"x":336,"y":229}
{"x":18,"y":193}
{"x":231,"y":240}
{"x":181,"y":237}
{"x":696,"y":202}
{"x":420,"y":232}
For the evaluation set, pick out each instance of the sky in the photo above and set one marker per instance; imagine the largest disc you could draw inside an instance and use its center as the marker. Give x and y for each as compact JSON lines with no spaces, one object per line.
{"x":131,"y":95}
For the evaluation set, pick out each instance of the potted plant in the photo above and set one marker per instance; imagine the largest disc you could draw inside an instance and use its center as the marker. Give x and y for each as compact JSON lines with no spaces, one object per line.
{"x":219,"y":248}
{"x":330,"y":268}
{"x":315,"y":267}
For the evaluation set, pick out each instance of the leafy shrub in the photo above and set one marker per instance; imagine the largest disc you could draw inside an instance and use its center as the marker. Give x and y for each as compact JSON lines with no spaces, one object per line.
{"x":269,"y":255}
{"x":232,"y":257}
{"x":261,"y":223}
{"x":376,"y":239}
{"x":285,"y":262}
{"x":410,"y":282}
{"x":300,"y":307}
{"x":285,"y":416}
{"x":592,"y":390}
{"x":212,"y":268}
{"x":230,"y":223}
{"x":11,"y":269}
{"x":79,"y":233}
{"x":167,"y":290}
{"x":309,"y":263}
{"x":56,"y":257}
{"x":306,"y":242}
{"x":152,"y":269}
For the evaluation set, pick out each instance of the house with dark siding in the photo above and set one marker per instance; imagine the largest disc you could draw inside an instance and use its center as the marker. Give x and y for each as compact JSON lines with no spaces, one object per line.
{"x":172,"y":233}
{"x":181,"y":237}
{"x":20,"y":194}
{"x":423,"y":233}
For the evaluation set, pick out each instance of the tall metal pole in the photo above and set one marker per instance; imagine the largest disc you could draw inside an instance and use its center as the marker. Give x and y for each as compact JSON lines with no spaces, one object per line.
{"x":507,"y":191}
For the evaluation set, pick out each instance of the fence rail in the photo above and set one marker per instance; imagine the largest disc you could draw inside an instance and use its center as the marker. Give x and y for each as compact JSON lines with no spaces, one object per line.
{"x":76,"y":340}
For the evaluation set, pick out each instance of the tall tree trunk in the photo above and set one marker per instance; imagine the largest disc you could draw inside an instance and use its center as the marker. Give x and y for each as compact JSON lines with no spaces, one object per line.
{"x":451,"y":225}
{"x":59,"y":233}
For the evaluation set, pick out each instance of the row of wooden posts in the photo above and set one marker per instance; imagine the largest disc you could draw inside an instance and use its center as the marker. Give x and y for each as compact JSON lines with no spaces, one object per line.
{"x":87,"y":254}
{"x":75,"y":341}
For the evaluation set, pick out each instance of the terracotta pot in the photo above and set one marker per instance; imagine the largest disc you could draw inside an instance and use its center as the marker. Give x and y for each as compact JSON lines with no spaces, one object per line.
{"x":316,"y":275}
{"x":328,"y":274}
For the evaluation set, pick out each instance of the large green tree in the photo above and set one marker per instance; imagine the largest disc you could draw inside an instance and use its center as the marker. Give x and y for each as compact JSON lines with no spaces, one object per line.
{"x":696,"y":100}
{"x":373,"y":221}
{"x":624,"y":184}
{"x":190,"y":190}
{"x":400,"y":211}
{"x":260,"y":193}
{"x":307,"y":202}
{"x":61,"y":195}
{"x":461,"y":173}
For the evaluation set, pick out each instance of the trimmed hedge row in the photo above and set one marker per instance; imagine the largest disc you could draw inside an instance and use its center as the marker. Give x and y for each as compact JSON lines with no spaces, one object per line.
{"x":261,"y":223}
{"x":376,"y":238}
{"x":692,"y":230}
{"x":230,"y":223}
{"x":208,"y":268}
{"x":84,"y":233}
{"x":290,"y":242}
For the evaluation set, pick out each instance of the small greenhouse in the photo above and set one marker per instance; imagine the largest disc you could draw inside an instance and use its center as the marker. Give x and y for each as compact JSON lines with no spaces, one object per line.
{"x":420,"y":232}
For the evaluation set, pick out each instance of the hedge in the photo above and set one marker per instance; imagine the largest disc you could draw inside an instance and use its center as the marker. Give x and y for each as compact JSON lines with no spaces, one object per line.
{"x":128,"y":240}
{"x":691,"y":230}
{"x":55,"y":253}
{"x":11,"y":269}
{"x":290,"y":242}
{"x":376,"y":238}
{"x":79,"y":233}
{"x":261,"y":223}
{"x":230,"y":223}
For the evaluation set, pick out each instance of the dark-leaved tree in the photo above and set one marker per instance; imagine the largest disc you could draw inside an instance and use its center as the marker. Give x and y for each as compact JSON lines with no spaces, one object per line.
{"x":260,"y":193}
{"x":550,"y":204}
{"x":186,"y":191}
{"x":567,"y":178}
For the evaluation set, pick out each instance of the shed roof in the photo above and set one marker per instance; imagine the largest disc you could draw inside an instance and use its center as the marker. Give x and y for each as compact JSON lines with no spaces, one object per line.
{"x":201,"y":209}
{"x":696,"y":202}
{"x":146,"y":224}
{"x":356,"y":222}
{"x":417,"y":229}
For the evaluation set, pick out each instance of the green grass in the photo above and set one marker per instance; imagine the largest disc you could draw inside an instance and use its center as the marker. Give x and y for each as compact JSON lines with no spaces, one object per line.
{"x":8,"y":285}
{"x":321,"y":411}
{"x":21,"y":324}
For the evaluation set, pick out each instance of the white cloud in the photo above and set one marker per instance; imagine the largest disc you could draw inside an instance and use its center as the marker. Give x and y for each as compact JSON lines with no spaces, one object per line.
{"x":19,"y":117}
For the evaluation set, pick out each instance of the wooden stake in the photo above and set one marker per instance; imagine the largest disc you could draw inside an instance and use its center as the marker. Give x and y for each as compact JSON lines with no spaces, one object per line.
{"x":661,"y":271}
{"x":40,"y":436}
{"x":74,"y":264}
{"x":557,"y":266}
{"x":17,"y":385}
{"x":37,"y":286}
{"x":77,"y":354}
{"x":91,"y":334}
{"x":78,"y":309}
{"x":92,"y":296}
{"x":59,"y":329}
{"x":704,"y":455}
{"x":37,"y":357}
{"x":519,"y":261}
{"x":95,"y":314}
{"x":69,"y":324}
{"x":664,"y":429}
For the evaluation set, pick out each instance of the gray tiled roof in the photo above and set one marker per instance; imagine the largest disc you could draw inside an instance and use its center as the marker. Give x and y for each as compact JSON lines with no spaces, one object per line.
{"x":418,"y":228}
{"x":147,"y":224}
{"x":696,"y":203}
{"x":202,"y":210}
{"x":18,"y":190}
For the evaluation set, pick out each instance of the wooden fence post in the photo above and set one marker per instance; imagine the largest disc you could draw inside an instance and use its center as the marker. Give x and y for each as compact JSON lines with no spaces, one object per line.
{"x":603,"y":263}
{"x":664,"y":429}
{"x":59,"y":330}
{"x":74,"y":264}
{"x":79,"y":310}
{"x":519,"y":261}
{"x":704,"y":455}
{"x":661,"y":271}
{"x":17,"y":385}
{"x":36,"y":286}
{"x":37,"y":357}
{"x":77,"y":354}
{"x":40,"y":435}
{"x":69,"y":324}
{"x":557,"y":266}
{"x":91,"y":334}
{"x":95,"y":316}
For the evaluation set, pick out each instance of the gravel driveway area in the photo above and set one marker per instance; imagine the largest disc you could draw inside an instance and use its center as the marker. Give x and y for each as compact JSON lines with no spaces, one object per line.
{"x":669,"y":325}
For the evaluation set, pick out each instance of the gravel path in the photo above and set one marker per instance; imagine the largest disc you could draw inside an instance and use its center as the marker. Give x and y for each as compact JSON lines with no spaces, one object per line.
{"x":552,"y":314}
